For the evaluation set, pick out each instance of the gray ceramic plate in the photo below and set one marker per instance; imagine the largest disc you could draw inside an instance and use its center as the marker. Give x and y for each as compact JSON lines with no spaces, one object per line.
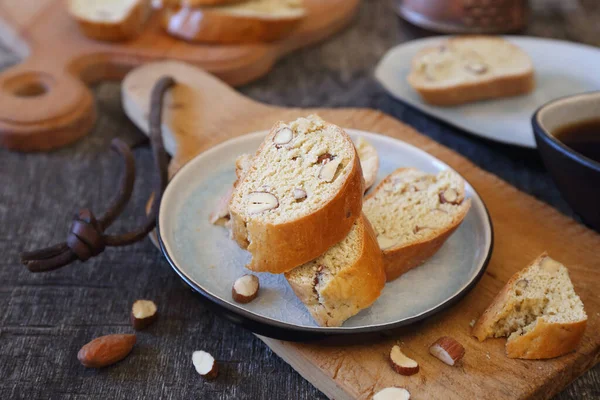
{"x":561,"y":68}
{"x":204,"y":256}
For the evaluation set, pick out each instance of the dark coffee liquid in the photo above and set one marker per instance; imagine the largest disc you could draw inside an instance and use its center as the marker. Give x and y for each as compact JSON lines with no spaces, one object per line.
{"x":583,"y":137}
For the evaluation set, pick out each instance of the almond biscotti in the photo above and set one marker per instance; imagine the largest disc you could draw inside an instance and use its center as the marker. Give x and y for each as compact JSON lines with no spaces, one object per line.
{"x":471,"y":68}
{"x":192,"y":3}
{"x":301,"y":195}
{"x":242,"y":22}
{"x":413,"y":214}
{"x":538,"y":310}
{"x":367,"y":154}
{"x":348,"y":278}
{"x":110,"y":20}
{"x":369,"y":161}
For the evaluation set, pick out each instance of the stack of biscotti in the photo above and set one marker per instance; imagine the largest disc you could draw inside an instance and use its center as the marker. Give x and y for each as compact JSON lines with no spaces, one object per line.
{"x":230,"y":21}
{"x":296,"y":207}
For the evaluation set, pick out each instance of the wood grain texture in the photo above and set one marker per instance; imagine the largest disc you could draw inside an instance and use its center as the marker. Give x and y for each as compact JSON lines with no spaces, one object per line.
{"x":198,"y":115}
{"x":45,"y":102}
{"x":45,"y":319}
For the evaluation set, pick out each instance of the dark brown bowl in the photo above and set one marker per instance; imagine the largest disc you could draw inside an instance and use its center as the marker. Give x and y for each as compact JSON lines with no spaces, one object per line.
{"x":577,"y":176}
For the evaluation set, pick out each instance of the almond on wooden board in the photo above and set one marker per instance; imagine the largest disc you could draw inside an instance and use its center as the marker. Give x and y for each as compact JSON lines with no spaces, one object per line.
{"x":106,"y":350}
{"x":401,"y":363}
{"x":392,"y":393}
{"x":448,"y":350}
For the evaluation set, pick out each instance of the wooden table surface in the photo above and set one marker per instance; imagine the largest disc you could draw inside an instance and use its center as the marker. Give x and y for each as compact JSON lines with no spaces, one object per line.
{"x":44,"y":319}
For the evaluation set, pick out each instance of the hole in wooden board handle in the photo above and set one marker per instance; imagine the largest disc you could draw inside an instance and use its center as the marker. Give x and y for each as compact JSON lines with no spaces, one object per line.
{"x":29,"y":84}
{"x":41,"y":111}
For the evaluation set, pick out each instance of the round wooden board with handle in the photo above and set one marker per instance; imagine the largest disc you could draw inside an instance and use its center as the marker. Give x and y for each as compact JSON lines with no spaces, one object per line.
{"x":45,"y":102}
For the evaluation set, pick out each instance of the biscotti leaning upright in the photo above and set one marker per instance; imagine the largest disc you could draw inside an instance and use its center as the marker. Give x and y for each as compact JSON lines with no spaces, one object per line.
{"x":413,"y":214}
{"x":300,"y":196}
{"x":346,"y":279}
{"x":471,"y":68}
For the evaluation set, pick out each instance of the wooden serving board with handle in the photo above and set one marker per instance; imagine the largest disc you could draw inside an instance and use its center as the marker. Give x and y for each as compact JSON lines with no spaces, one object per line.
{"x":202,"y":112}
{"x":45,"y":102}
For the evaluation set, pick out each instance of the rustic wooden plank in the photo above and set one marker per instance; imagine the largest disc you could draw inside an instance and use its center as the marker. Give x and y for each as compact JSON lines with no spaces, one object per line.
{"x":523,"y":229}
{"x":63,"y":181}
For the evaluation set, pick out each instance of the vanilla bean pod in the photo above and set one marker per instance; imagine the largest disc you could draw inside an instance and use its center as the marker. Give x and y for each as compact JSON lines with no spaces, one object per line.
{"x":86,"y":237}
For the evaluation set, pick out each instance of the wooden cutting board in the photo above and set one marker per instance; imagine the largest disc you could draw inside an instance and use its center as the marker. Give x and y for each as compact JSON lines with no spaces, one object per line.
{"x":44,"y":101}
{"x":202,"y":111}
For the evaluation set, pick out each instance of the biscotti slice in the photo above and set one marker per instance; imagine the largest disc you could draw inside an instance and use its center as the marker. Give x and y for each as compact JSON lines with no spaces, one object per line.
{"x":347,"y":278}
{"x":367,"y":154}
{"x":246,"y":22}
{"x":471,"y":68}
{"x":538,"y":310}
{"x":413,"y":213}
{"x":110,"y":20}
{"x":300,"y":196}
{"x":192,"y":3}
{"x":369,"y":161}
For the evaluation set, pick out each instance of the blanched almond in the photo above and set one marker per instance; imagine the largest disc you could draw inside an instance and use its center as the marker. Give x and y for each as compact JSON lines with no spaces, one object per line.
{"x":299,"y":194}
{"x":449,"y":196}
{"x":329,"y":169}
{"x":283,"y":136}
{"x":261,"y":201}
{"x":392,"y":393}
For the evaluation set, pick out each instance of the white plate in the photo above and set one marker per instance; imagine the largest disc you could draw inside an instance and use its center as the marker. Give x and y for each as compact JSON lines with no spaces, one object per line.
{"x":561,"y":69}
{"x":205,"y":257}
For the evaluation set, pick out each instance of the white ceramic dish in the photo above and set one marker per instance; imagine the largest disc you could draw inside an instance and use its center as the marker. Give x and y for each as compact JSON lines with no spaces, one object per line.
{"x":561,"y":69}
{"x":205,"y":257}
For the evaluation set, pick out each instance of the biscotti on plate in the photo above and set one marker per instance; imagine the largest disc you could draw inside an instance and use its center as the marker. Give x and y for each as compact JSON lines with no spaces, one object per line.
{"x":110,"y":20}
{"x":192,"y":3}
{"x":301,"y":195}
{"x":367,"y":154}
{"x":246,"y":22}
{"x":348,"y":278}
{"x":471,"y":68}
{"x":538,"y":310}
{"x":413,"y":214}
{"x":369,"y":161}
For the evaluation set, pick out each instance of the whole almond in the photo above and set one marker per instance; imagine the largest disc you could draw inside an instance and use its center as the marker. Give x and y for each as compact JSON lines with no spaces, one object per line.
{"x":106,"y":350}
